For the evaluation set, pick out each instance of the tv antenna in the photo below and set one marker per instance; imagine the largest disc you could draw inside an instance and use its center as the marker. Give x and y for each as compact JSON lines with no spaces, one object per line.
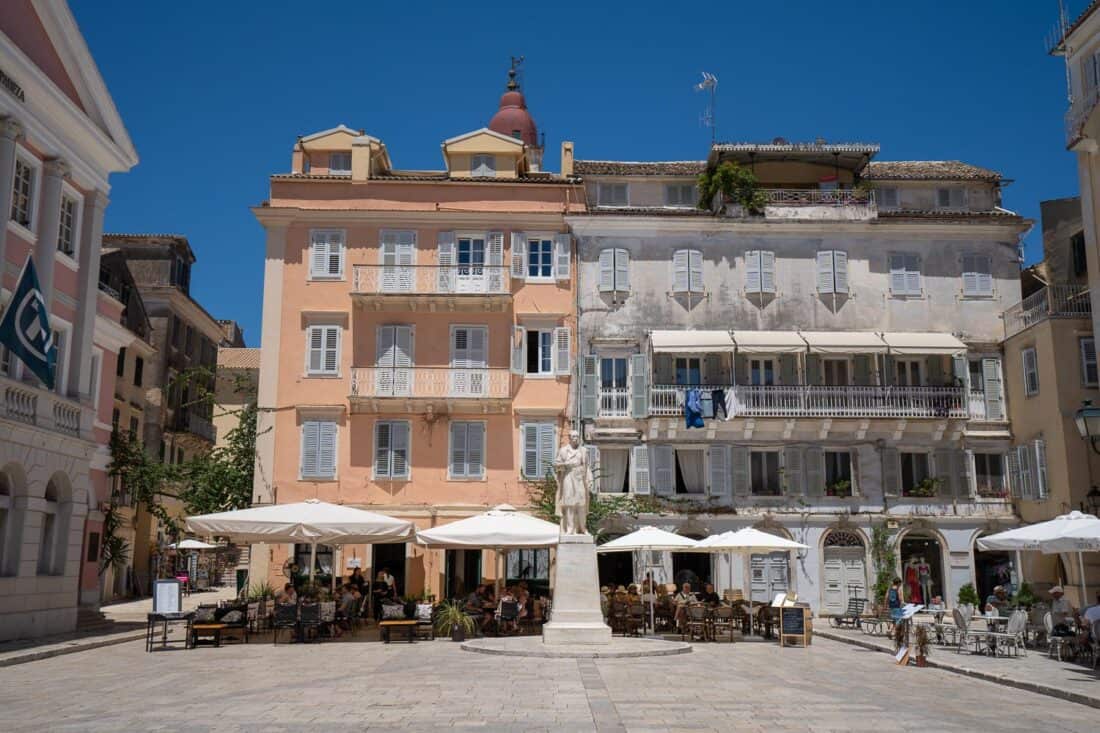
{"x":709,"y":83}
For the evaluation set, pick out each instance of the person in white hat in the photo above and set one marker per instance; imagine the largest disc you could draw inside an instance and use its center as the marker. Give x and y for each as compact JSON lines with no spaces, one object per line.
{"x":1061,"y":612}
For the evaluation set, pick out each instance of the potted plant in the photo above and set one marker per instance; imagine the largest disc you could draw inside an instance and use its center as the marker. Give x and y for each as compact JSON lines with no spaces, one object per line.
{"x":737,"y":184}
{"x":927,"y":488}
{"x":1025,"y":597}
{"x":451,"y":618}
{"x":968,"y":595}
{"x":840,"y":488}
{"x":922,"y":644}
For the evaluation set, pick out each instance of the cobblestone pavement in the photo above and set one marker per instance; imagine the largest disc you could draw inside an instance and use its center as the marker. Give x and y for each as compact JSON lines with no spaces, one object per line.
{"x":435,"y":685}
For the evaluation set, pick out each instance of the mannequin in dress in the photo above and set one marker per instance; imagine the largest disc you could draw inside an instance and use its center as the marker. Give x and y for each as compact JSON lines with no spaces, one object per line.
{"x":924,"y":577}
{"x":912,"y":582}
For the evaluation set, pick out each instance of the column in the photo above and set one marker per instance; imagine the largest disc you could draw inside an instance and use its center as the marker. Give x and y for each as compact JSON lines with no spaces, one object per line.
{"x":54,"y":171}
{"x":10,"y":131}
{"x":95,"y":203}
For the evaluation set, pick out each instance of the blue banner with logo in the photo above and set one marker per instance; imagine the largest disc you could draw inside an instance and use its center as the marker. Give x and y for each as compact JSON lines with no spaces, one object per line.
{"x":25,"y":328}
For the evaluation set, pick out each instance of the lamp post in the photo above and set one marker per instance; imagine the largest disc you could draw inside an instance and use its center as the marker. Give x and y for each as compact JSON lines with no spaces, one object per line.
{"x":1091,"y":504}
{"x":1087,"y":418}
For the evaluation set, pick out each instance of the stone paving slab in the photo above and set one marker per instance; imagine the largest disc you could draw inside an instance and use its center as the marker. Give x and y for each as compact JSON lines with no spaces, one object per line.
{"x":1035,"y":672}
{"x":532,"y":646}
{"x":428,"y":686}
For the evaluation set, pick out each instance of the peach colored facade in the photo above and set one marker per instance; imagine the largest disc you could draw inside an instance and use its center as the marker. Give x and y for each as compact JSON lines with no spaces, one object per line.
{"x":398,"y":231}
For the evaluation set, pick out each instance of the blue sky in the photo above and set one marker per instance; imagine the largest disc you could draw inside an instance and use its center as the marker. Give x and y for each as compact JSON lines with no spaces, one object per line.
{"x":214,"y":94}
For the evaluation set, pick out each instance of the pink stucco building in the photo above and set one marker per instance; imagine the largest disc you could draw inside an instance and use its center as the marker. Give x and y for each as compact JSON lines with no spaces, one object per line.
{"x":417,"y":338}
{"x":60,"y":139}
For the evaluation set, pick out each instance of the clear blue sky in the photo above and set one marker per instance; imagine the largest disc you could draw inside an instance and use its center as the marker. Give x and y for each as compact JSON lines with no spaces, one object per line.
{"x":214,"y":93}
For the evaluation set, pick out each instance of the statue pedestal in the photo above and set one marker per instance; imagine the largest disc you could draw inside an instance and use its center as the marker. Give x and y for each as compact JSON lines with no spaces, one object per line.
{"x":576,"y":614}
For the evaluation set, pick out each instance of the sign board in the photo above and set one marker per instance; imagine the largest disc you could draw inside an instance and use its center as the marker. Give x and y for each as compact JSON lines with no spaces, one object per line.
{"x":355,"y":562}
{"x":795,"y":625}
{"x":167,"y":596}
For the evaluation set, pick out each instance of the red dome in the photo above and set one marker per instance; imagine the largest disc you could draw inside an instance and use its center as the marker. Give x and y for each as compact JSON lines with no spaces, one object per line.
{"x":513,"y":119}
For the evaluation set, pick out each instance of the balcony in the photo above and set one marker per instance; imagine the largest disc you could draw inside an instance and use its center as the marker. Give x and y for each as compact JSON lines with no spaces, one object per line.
{"x":1053,"y":301}
{"x":1078,"y":115}
{"x":188,"y":421}
{"x":814,"y":204}
{"x":41,"y":408}
{"x":824,"y":402}
{"x":430,"y":389}
{"x":426,"y":287}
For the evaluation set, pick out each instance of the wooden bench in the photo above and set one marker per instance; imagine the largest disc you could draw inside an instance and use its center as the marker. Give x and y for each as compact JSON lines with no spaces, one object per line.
{"x":409,"y":627}
{"x":211,"y":631}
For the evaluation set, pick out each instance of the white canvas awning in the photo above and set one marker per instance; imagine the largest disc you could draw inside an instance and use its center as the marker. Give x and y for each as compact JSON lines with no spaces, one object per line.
{"x":691,"y":342}
{"x":648,"y":538}
{"x":768,"y":342}
{"x":844,"y":342}
{"x":310,"y":521}
{"x":907,"y":343}
{"x":499,"y":527}
{"x":192,"y":545}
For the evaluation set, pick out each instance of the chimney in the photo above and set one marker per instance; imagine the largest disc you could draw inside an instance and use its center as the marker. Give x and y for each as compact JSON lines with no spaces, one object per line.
{"x":566,"y":158}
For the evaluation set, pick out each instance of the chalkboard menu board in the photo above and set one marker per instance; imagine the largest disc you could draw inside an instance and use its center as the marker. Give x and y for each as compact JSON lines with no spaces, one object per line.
{"x":167,"y":596}
{"x":795,"y":625}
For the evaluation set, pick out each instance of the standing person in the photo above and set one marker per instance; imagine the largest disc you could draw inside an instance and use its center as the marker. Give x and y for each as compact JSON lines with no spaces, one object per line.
{"x":893,"y":599}
{"x":358,"y":580}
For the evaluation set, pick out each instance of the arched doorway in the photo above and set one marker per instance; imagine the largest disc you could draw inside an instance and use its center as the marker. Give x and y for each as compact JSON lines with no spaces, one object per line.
{"x":770,"y":573}
{"x":920,"y":554}
{"x":844,"y":570}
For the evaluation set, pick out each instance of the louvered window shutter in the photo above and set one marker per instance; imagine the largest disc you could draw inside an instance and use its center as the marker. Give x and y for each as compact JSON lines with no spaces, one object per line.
{"x":403,"y":360}
{"x":519,"y":255}
{"x":335,"y":254}
{"x":310,"y":442}
{"x":590,"y":387}
{"x":965,"y":481}
{"x":318,"y":258}
{"x":792,"y":471}
{"x":891,"y":472}
{"x":1015,"y":480}
{"x":695,"y":270}
{"x":840,"y":270}
{"x":752,"y":271}
{"x":912,"y":274}
{"x":680,"y":271}
{"x":458,"y":449}
{"x":529,"y":433}
{"x":740,"y":470}
{"x":853,"y":455}
{"x":994,"y":389}
{"x":563,"y":250}
{"x":943,"y":197}
{"x":400,"y":463}
{"x":607,"y":271}
{"x":382,"y":446}
{"x":944,"y":470}
{"x":562,"y":348}
{"x":1042,"y":490}
{"x":1023,"y":455}
{"x":664,"y":469}
{"x":384,"y":357}
{"x":326,"y":453}
{"x":622,"y":271}
{"x":445,"y":261}
{"x":331,"y":363}
{"x":475,"y":449}
{"x":897,"y":275}
{"x":639,"y":387}
{"x":315,"y":337}
{"x":718,"y":459}
{"x":548,"y":446}
{"x":825,"y":276}
{"x":495,"y":274}
{"x":639,"y":469}
{"x":592,"y":456}
{"x":519,"y":343}
{"x":815,"y":471}
{"x":767,"y":272}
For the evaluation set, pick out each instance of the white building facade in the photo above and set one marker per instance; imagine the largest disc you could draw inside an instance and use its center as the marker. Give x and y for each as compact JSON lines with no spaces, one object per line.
{"x":843,"y":343}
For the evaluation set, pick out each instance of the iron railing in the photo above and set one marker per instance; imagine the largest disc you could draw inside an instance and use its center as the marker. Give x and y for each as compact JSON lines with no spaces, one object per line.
{"x":818,"y":401}
{"x":818,"y":197}
{"x":431,"y":382}
{"x":430,"y":280}
{"x":1053,"y":301}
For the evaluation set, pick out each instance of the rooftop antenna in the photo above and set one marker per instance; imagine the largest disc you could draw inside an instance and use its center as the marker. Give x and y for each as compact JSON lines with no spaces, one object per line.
{"x":709,"y":83}
{"x":1063,"y":24}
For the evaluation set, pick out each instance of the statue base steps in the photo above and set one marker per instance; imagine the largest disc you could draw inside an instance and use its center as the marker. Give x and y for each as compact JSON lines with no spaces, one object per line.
{"x":576,"y":617}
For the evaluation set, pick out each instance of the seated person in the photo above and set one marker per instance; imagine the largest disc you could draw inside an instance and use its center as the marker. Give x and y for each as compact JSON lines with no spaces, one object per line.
{"x":288,"y":595}
{"x":1061,"y":612}
{"x":708,"y":596}
{"x":682,"y":600}
{"x":472,"y":604}
{"x":511,"y":624}
{"x":347,"y":597}
{"x":1091,"y":614}
{"x":998,"y":603}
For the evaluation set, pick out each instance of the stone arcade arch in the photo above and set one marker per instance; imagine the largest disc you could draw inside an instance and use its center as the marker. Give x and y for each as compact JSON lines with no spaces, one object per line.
{"x":843,"y":569}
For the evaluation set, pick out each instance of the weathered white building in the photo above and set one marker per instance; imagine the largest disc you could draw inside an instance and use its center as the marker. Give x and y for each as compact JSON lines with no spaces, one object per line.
{"x":850,"y":329}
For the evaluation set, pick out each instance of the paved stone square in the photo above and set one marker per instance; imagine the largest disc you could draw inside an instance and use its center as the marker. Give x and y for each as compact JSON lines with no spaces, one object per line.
{"x":750,"y":686}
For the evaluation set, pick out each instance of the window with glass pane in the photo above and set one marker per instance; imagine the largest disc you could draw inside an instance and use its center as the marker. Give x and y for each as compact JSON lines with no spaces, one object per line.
{"x":471,"y":256}
{"x":689,"y":371}
{"x":540,"y":351}
{"x":613,"y":373}
{"x":339,"y":163}
{"x":302,"y":553}
{"x":989,"y":474}
{"x":914,"y":470}
{"x":765,"y":473}
{"x":540,"y":258}
{"x":482,"y":165}
{"x":611,"y":194}
{"x":838,"y":468}
{"x":1031,"y":372}
{"x":762,"y":372}
{"x":66,"y":231}
{"x":886,"y":197}
{"x":680,"y":194}
{"x":22,"y":193}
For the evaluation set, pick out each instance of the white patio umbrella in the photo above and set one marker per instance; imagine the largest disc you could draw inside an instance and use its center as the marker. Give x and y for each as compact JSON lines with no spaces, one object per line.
{"x":500,"y":528}
{"x":192,"y":545}
{"x":747,"y":541}
{"x":649,"y":538}
{"x":312,"y":521}
{"x":1074,"y":532}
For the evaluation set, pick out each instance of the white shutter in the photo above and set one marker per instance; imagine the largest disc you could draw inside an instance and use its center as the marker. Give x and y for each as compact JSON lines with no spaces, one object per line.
{"x":944,"y":470}
{"x":590,"y":387}
{"x":966,"y":484}
{"x":1031,"y":372}
{"x":519,"y":255}
{"x":639,"y":387}
{"x":400,"y":438}
{"x":562,"y":344}
{"x":529,"y":435}
{"x":767,"y":272}
{"x":853,"y":457}
{"x":315,"y":348}
{"x":318,"y":257}
{"x":519,"y":343}
{"x":622,"y":271}
{"x":1042,"y":490}
{"x":815,"y":471}
{"x":326,"y":449}
{"x":740,"y":470}
{"x":891,"y":472}
{"x":548,"y":446}
{"x":897,"y":275}
{"x":592,"y":455}
{"x":445,"y":261}
{"x":495,"y":246}
{"x":459,"y":458}
{"x":792,"y":471}
{"x":1087,"y":347}
{"x":912,"y":274}
{"x":994,"y":389}
{"x":840,"y":268}
{"x":331,"y":364}
{"x":695,"y":270}
{"x":970,"y":275}
{"x":1015,"y":481}
{"x":825,"y":275}
{"x":752,"y":271}
{"x":475,"y":449}
{"x":664,"y":469}
{"x":639,"y":469}
{"x":384,"y":355}
{"x":402,"y":360}
{"x":680,"y":270}
{"x":563,"y":250}
{"x":718,"y":461}
{"x":607,"y":271}
{"x":383,"y":442}
{"x":310,"y":439}
{"x":1027,"y":484}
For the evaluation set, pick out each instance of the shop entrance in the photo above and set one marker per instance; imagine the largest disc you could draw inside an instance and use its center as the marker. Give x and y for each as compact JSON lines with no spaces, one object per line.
{"x":845,"y":570}
{"x":616,"y":568}
{"x":691,"y":567}
{"x":462,"y":572}
{"x":391,"y":557}
{"x":921,"y":557}
{"x":993,"y":568}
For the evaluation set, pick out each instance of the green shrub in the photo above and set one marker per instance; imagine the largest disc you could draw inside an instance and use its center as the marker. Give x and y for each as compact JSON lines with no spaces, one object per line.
{"x":968,"y":595}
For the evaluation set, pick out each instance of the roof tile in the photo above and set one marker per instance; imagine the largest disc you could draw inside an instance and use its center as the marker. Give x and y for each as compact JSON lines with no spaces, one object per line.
{"x":637,"y":168}
{"x":927,"y":170}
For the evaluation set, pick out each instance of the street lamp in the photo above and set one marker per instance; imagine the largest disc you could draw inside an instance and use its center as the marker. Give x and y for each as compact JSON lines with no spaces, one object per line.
{"x":1092,"y":501}
{"x":1088,"y":423}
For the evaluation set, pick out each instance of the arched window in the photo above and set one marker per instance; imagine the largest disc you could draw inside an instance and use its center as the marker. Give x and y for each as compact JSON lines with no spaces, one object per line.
{"x":5,"y":514}
{"x":56,"y":518}
{"x":843,"y":538}
{"x":48,"y":539}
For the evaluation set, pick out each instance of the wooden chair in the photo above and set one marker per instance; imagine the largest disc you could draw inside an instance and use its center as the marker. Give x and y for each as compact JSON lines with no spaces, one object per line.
{"x":309,"y":619}
{"x":636,"y":619}
{"x":618,"y":619}
{"x":696,"y":623}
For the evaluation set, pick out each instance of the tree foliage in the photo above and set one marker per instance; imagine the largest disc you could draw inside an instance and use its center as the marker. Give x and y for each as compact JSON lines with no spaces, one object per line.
{"x":221,"y":480}
{"x":884,"y":559}
{"x":734,"y":182}
{"x":600,"y":507}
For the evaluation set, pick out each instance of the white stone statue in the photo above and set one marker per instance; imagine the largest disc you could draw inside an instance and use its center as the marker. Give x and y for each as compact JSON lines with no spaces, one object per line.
{"x":574,"y":481}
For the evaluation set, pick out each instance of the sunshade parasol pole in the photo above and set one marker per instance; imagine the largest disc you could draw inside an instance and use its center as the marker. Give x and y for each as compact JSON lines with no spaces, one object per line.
{"x":312,"y":560}
{"x":1084,"y":588}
